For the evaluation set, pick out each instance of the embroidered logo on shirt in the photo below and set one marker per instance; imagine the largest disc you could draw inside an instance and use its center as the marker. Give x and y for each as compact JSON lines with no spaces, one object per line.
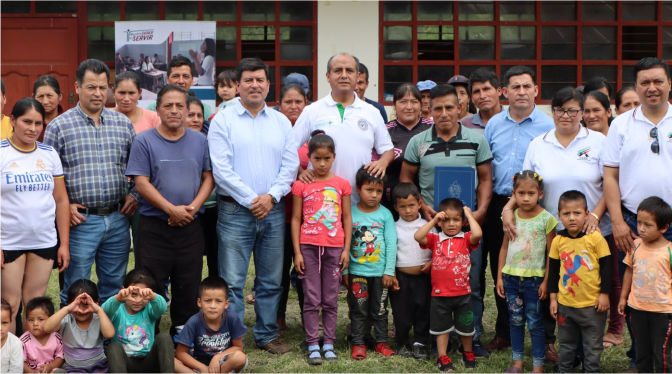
{"x":40,"y":164}
{"x":583,"y":153}
{"x":14,"y":165}
{"x":323,"y":124}
{"x":363,"y":124}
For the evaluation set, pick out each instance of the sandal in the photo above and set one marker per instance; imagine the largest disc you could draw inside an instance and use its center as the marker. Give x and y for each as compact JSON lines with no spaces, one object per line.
{"x":612,"y":340}
{"x":314,"y":357}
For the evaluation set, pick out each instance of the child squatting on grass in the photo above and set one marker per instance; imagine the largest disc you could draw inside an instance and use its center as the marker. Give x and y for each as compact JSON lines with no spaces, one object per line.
{"x":42,"y":352}
{"x":451,"y":307}
{"x":215,"y":333}
{"x":647,"y":287}
{"x":522,"y":278}
{"x":82,"y":324}
{"x":579,"y":279}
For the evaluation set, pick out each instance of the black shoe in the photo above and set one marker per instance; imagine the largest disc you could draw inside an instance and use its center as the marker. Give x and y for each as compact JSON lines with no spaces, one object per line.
{"x":445,"y":364}
{"x":469,"y":360}
{"x":420,"y":353}
{"x":404,"y":352}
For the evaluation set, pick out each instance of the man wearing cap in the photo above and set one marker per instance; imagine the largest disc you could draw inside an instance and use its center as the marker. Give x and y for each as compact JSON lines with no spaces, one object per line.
{"x":485,"y":92}
{"x":461,"y":84}
{"x":362,"y":85}
{"x":355,"y":126}
{"x":424,"y":87}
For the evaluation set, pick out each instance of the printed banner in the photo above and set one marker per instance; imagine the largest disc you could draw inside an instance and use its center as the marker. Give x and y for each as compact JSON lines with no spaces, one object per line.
{"x":147,"y":47}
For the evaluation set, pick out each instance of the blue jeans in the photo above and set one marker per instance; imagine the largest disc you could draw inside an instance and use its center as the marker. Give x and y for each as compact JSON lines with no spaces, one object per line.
{"x":475,"y":284}
{"x":105,"y":240}
{"x":522,"y":299}
{"x":240,"y":234}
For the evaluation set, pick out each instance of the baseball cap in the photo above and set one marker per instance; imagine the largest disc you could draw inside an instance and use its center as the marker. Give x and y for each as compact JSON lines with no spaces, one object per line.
{"x":299,"y":79}
{"x":426,"y":85}
{"x":458,"y":80}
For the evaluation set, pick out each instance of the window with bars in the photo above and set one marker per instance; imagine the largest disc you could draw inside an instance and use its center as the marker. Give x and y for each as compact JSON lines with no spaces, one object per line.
{"x":565,"y":43}
{"x":282,"y":33}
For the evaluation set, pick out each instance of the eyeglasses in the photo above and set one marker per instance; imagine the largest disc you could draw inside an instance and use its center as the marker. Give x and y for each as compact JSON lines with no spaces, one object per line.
{"x":655,"y":146}
{"x":559,"y":112}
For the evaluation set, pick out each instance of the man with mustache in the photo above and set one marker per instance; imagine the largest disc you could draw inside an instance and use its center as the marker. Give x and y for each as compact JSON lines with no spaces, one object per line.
{"x":171,"y":169}
{"x":254,"y":162}
{"x":485,"y":93}
{"x":638,"y":157}
{"x":94,"y":143}
{"x":355,"y":126}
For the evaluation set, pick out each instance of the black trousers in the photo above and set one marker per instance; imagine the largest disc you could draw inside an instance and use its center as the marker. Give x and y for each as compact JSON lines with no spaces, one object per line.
{"x":493,"y":236}
{"x":209,"y":223}
{"x":175,"y":253}
{"x":653,"y":332}
{"x":286,"y":275}
{"x":367,"y":297}
{"x":410,"y":307}
{"x":159,"y":359}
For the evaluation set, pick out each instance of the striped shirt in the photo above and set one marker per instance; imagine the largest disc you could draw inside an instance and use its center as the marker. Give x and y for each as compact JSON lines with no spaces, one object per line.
{"x":94,"y":158}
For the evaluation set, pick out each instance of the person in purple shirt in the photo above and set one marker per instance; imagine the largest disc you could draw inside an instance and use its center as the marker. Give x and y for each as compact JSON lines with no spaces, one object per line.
{"x":171,"y":168}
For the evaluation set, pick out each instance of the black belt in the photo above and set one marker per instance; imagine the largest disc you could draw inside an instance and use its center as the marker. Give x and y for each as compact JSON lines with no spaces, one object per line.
{"x":100,"y":211}
{"x":228,"y":199}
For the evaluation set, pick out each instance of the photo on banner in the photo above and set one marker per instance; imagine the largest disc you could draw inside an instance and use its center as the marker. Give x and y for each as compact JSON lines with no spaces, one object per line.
{"x":147,"y":47}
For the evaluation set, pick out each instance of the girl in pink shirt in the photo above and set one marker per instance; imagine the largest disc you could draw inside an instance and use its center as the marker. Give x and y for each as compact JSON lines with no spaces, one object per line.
{"x":321,"y":233}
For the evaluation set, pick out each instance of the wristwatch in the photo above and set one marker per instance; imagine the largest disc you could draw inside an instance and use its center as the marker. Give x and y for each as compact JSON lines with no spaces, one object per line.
{"x":275,"y":201}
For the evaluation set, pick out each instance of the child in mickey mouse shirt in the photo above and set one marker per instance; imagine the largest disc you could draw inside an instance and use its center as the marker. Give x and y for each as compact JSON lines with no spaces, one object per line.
{"x":370,"y":273}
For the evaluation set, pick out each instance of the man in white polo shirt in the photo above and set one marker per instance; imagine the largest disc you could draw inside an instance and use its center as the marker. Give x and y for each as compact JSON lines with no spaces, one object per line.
{"x":638,"y":158}
{"x":638,"y":152}
{"x":356,"y":127}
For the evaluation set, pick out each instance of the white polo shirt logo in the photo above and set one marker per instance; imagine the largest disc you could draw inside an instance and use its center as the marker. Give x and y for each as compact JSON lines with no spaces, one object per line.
{"x":669,"y":137}
{"x":363,"y":124}
{"x":583,"y":154}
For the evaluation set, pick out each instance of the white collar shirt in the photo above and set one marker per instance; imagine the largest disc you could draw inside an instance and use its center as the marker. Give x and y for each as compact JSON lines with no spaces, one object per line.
{"x":359,"y":131}
{"x":577,"y":167}
{"x":642,"y":173}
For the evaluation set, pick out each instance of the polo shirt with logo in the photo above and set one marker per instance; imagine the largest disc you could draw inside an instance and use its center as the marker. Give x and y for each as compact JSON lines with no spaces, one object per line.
{"x":400,"y":136}
{"x":450,"y":263}
{"x":356,"y":130}
{"x":577,"y":167}
{"x":642,"y":173}
{"x":427,"y":150}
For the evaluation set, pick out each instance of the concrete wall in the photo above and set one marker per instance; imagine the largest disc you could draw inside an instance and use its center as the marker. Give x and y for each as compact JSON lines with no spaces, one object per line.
{"x":348,"y":26}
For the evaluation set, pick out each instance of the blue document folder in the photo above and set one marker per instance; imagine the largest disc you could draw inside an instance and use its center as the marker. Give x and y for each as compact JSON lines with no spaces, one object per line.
{"x":457,"y":182}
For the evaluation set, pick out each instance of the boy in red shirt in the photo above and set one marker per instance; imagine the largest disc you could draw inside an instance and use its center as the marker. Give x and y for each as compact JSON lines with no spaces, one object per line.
{"x":451,"y":308}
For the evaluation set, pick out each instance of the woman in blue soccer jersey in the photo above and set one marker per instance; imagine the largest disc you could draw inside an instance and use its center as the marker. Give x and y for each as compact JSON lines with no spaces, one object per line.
{"x":33,"y":198}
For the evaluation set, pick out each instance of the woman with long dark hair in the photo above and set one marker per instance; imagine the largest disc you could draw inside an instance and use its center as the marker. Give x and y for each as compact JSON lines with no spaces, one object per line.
{"x":30,"y":208}
{"x":205,"y":66}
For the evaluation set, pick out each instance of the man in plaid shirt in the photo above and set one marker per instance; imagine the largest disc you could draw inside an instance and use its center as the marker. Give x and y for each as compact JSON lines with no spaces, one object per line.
{"x":94,"y":143}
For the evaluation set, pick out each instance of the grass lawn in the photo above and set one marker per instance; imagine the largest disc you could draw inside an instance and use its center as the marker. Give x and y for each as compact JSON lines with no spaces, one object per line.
{"x":613,"y":359}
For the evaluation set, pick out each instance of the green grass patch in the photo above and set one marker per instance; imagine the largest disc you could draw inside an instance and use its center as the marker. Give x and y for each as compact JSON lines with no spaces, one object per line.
{"x":614,"y":359}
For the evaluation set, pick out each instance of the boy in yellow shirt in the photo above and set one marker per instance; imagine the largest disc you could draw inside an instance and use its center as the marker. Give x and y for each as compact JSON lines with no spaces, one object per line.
{"x":580,"y":281}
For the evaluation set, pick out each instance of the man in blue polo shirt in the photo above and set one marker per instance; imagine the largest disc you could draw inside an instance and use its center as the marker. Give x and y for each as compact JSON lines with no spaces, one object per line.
{"x":509,"y":133}
{"x":448,"y":143}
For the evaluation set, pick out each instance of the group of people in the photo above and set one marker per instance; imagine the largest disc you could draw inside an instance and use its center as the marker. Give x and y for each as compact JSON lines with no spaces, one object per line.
{"x":574,"y":223}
